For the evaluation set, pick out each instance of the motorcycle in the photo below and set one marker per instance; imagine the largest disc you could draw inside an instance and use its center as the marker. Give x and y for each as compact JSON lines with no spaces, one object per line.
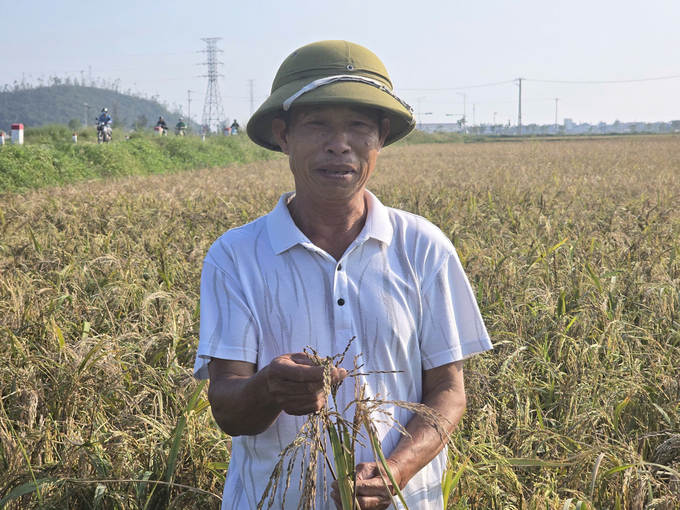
{"x":103,"y":132}
{"x":179,"y":131}
{"x":234,"y":131}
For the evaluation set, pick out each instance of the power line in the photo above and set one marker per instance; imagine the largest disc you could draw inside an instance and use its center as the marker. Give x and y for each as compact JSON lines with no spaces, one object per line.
{"x":606,"y":81}
{"x":109,"y":55}
{"x":546,"y":81}
{"x":460,"y":88}
{"x":146,"y":68}
{"x":514,"y":101}
{"x":169,"y":79}
{"x":100,"y":70}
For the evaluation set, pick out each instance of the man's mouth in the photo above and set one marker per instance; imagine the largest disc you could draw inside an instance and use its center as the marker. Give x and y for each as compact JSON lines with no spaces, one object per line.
{"x":337,"y":170}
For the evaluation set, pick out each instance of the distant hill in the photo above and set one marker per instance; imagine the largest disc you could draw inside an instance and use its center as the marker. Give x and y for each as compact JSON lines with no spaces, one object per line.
{"x":58,"y":104}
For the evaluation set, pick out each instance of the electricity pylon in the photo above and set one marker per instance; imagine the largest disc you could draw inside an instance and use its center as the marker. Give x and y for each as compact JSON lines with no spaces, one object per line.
{"x":213,"y":112}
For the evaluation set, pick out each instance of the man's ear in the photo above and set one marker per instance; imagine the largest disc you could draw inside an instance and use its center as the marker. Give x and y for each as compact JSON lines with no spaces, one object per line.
{"x":384,"y":130}
{"x":280,"y":131}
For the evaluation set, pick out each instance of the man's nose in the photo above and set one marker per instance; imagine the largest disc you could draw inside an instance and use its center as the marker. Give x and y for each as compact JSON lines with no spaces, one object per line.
{"x":338,"y":142}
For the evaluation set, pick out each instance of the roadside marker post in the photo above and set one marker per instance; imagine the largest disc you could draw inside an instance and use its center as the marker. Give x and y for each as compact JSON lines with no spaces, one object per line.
{"x":17,"y":134}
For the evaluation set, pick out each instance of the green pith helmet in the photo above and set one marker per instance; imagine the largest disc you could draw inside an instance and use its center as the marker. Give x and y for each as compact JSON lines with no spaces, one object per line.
{"x":331,"y":73}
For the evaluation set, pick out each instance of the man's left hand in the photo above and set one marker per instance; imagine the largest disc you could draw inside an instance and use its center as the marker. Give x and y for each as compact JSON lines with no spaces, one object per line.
{"x":370,"y":489}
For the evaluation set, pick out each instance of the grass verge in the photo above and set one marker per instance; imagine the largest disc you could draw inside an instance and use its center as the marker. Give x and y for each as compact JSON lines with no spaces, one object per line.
{"x":51,"y":159}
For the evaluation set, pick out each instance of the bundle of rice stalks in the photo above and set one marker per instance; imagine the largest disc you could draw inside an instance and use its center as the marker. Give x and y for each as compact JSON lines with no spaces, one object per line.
{"x":345,"y":436}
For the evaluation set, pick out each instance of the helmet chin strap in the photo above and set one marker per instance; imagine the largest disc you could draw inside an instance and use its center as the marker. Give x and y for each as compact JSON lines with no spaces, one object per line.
{"x":344,"y":77}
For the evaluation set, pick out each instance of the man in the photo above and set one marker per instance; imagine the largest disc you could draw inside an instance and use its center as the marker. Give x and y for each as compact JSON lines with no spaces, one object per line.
{"x":329,"y":263}
{"x":104,"y":122}
{"x":180,"y":127}
{"x":235,"y":126}
{"x":161,"y":123}
{"x":105,"y":118}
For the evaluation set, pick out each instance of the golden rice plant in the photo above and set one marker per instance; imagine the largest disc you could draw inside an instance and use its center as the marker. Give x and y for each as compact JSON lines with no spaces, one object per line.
{"x":571,"y":247}
{"x":344,"y":435}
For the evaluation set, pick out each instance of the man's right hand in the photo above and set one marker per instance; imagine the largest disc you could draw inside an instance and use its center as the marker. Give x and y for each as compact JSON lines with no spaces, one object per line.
{"x":296,"y":384}
{"x":247,"y":402}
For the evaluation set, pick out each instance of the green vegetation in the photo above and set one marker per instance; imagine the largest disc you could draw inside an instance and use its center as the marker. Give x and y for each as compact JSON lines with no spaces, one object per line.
{"x":59,"y":103}
{"x":50,"y":158}
{"x":572,"y":248}
{"x":416,"y":137}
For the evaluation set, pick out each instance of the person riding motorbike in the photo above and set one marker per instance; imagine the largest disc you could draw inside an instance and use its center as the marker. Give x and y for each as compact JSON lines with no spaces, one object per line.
{"x":180,"y":128}
{"x":104,"y":122}
{"x":162,"y":125}
{"x":235,"y":127}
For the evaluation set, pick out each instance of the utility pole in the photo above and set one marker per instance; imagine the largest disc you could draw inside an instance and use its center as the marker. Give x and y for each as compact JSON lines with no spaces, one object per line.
{"x":90,"y":75}
{"x":87,"y":112}
{"x":556,"y":99}
{"x":213,"y":112}
{"x":420,"y":120}
{"x":464,"y":103}
{"x":252,"y":102}
{"x":473,"y":117}
{"x":189,"y":107}
{"x":519,"y":115}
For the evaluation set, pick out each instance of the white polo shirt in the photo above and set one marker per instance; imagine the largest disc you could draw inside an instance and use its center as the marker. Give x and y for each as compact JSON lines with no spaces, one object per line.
{"x":266,"y":290}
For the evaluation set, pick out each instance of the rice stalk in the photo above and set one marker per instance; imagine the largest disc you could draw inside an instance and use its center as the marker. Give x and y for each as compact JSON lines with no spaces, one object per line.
{"x":561,"y":345}
{"x":344,"y":435}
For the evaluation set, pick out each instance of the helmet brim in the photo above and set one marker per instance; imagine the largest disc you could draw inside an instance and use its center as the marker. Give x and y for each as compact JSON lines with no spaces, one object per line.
{"x":341,"y":93}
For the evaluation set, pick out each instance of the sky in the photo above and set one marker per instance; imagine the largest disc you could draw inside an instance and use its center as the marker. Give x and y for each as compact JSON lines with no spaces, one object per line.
{"x":437,"y":52}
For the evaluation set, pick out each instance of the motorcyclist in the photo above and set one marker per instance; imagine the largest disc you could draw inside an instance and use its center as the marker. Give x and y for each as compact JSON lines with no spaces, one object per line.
{"x":104,"y":122}
{"x":163,"y":125}
{"x":105,"y":118}
{"x":181,"y":127}
{"x":234,"y":127}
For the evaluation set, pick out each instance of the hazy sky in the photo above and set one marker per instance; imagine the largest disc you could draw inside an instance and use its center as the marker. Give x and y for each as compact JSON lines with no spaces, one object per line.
{"x":155,"y":47}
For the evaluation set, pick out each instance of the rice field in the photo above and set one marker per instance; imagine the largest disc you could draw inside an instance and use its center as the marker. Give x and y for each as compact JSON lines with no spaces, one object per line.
{"x":573,"y":247}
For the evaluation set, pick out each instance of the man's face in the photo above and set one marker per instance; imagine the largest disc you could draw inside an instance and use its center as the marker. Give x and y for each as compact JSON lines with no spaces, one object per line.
{"x":332,"y":150}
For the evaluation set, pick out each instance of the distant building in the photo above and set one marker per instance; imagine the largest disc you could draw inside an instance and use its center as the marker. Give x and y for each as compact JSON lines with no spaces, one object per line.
{"x":569,"y":128}
{"x":440,"y":128}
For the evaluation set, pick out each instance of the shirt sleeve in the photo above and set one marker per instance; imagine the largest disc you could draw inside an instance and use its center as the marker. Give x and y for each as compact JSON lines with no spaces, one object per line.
{"x":228,"y":328}
{"x":452,"y":327}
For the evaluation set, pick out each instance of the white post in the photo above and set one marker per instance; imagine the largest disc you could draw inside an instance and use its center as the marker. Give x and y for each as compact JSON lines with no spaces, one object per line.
{"x":227,"y":131}
{"x":2,"y":138}
{"x":75,"y":138}
{"x":17,"y":134}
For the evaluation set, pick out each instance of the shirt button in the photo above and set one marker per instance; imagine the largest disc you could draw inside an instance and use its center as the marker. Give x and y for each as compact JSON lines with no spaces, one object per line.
{"x":339,"y":267}
{"x":341,"y":301}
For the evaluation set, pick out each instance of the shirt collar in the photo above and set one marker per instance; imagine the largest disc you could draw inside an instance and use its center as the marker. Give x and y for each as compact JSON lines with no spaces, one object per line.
{"x":284,"y":234}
